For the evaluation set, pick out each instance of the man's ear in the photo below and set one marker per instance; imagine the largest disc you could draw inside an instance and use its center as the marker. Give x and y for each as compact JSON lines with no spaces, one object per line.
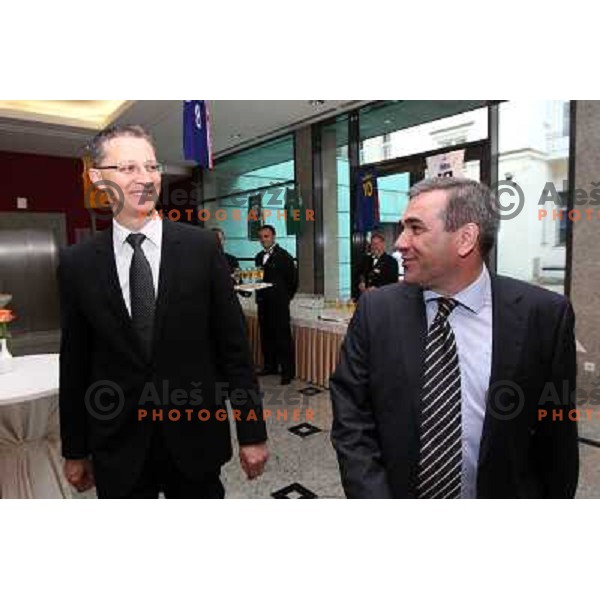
{"x":94,"y":176}
{"x":468,"y":239}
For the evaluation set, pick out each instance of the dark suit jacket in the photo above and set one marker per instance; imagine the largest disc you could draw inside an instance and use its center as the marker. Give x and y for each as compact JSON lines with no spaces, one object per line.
{"x":383,"y":273}
{"x":376,"y":391}
{"x":281,"y":271}
{"x":232,"y":262}
{"x":200,"y":350}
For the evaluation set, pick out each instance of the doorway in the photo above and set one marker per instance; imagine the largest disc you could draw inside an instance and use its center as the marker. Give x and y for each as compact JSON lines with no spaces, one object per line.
{"x":395,"y":177}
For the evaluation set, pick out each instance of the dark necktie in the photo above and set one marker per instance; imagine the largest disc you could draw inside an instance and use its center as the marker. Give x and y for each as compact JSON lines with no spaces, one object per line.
{"x":440,"y":460}
{"x":141,"y":292}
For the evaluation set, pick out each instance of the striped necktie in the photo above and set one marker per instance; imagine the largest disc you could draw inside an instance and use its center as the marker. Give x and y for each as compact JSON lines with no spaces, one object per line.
{"x":440,"y":459}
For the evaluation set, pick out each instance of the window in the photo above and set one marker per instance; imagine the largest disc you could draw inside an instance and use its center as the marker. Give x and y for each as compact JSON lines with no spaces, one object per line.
{"x":566,"y":118}
{"x":561,"y":223}
{"x":266,"y":170}
{"x":335,"y":168}
{"x":401,"y":128}
{"x":529,"y":248}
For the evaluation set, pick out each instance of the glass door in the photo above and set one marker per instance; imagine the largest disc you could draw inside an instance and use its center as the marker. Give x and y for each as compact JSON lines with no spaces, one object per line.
{"x":394,"y":180}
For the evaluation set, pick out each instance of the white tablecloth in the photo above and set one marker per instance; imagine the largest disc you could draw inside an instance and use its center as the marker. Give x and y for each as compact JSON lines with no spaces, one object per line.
{"x":30,"y":460}
{"x":318,"y":334}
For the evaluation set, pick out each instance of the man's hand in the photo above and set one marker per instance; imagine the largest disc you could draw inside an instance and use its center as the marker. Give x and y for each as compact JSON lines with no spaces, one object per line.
{"x":253,"y":458}
{"x":80,"y":474}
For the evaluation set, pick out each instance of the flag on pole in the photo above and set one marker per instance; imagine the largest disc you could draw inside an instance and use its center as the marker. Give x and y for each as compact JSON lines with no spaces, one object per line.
{"x":366,"y":215}
{"x":196,"y":133}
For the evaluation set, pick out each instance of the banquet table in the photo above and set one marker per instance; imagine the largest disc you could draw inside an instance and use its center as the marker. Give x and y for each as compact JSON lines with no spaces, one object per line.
{"x":318,"y":335}
{"x":30,"y":460}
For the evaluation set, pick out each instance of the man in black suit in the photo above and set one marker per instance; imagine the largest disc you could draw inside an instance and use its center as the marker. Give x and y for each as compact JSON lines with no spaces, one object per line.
{"x":443,"y":379}
{"x":274,"y":306}
{"x":232,"y":261}
{"x":153,"y":340}
{"x":379,"y":268}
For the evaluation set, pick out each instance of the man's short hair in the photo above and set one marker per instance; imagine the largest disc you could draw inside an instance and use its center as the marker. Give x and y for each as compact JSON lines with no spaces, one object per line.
{"x":378,"y":234}
{"x":269,"y":227}
{"x":468,"y":202}
{"x":95,"y":149}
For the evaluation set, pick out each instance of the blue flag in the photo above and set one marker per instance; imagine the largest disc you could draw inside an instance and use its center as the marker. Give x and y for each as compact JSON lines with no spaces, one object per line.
{"x":366,"y":215}
{"x":196,"y":133}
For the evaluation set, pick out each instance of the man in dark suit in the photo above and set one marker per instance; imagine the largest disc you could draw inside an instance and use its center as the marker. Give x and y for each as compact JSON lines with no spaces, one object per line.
{"x":443,"y":379}
{"x":153,"y":340}
{"x":232,"y":261}
{"x":274,"y":306}
{"x":379,"y":268}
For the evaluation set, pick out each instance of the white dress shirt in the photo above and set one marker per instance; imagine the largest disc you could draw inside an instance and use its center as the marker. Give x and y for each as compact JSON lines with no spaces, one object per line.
{"x":267,"y":254}
{"x":471,"y":322}
{"x":151,"y":247}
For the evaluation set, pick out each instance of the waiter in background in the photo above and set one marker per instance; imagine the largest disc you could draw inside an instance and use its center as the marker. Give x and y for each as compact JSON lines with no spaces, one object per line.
{"x":274,"y":306}
{"x":379,"y":267}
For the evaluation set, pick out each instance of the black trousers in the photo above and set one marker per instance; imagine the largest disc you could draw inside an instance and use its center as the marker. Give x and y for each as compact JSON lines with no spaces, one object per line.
{"x":161,"y":474}
{"x":276,"y":336}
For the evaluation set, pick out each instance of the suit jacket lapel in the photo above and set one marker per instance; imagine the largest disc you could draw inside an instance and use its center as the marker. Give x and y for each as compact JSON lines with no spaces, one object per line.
{"x":110,"y":277}
{"x":111,"y":286}
{"x":167,"y":279}
{"x":412,"y":331}
{"x":508,"y":332}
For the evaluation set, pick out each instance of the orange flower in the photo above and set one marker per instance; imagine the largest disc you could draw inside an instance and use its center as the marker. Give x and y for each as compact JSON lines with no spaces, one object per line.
{"x":6,"y":316}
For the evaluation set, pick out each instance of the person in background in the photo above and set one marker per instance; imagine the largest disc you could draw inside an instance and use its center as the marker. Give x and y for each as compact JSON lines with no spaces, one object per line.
{"x":274,"y":306}
{"x":379,"y":268}
{"x":232,"y":261}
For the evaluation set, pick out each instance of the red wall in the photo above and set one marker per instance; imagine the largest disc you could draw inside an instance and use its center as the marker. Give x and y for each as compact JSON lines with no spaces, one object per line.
{"x":50,"y":184}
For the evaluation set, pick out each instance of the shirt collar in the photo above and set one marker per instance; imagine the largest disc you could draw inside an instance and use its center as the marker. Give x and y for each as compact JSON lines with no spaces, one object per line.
{"x":152,"y":230}
{"x":474,"y":297}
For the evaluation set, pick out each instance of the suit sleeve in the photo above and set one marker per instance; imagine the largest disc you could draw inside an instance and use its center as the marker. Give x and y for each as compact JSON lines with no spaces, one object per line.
{"x":354,"y":433}
{"x":235,"y":360}
{"x":363,"y":269}
{"x":292,"y":277}
{"x":556,"y":446}
{"x":74,"y":366}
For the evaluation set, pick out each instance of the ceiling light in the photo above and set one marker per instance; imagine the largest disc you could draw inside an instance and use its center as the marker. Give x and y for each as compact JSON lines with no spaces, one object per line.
{"x":92,"y":114}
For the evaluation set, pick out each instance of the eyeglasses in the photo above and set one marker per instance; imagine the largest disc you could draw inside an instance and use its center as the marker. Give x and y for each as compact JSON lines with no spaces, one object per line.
{"x":132,"y":168}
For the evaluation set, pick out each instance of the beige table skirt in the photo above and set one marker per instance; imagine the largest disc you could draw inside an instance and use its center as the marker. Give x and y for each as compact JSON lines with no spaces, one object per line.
{"x":316,"y":350}
{"x":30,"y":461}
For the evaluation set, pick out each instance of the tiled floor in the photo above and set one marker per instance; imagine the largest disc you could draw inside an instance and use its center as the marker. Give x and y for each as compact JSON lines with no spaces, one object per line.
{"x":302,"y":457}
{"x":589,"y":472}
{"x":311,"y":461}
{"x":303,"y":463}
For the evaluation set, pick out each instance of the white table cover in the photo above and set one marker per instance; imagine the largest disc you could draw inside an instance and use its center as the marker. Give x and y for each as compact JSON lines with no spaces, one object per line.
{"x":30,"y":461}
